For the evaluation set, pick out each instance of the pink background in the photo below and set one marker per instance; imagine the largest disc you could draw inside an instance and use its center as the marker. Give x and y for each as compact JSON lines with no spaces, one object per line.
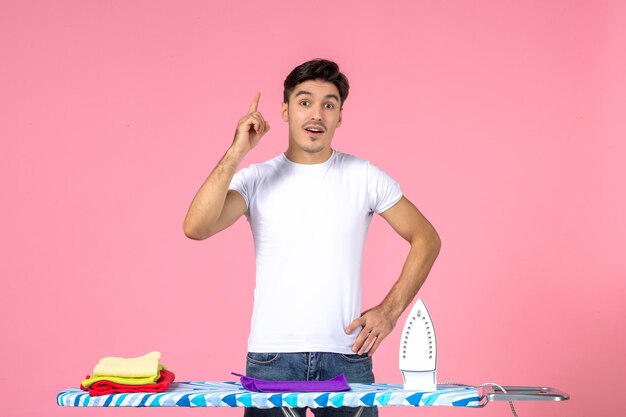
{"x":503,"y":122}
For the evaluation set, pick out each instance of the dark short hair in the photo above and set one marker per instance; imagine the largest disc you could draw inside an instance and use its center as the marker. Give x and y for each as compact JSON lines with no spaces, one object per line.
{"x":317,"y":69}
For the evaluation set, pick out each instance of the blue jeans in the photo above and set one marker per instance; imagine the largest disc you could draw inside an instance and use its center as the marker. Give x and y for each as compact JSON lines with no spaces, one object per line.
{"x":313,"y":366}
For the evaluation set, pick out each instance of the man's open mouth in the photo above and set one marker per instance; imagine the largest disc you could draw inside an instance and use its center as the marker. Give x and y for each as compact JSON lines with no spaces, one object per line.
{"x":314,"y":130}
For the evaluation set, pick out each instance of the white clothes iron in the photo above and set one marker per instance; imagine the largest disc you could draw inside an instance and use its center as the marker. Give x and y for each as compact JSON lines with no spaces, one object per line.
{"x":418,"y":350}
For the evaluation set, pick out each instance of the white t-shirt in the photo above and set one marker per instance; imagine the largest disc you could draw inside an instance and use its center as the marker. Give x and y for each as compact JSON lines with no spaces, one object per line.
{"x":309,"y":224}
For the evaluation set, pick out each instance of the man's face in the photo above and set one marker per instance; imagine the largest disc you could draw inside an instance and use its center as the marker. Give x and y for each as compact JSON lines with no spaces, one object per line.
{"x":313,"y":114}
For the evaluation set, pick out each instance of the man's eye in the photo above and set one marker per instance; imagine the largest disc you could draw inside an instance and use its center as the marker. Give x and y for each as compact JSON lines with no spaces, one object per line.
{"x":329,"y":106}
{"x":304,"y":103}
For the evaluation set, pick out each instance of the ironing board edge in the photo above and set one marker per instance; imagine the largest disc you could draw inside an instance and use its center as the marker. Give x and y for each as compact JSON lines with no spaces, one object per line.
{"x":231,"y":394}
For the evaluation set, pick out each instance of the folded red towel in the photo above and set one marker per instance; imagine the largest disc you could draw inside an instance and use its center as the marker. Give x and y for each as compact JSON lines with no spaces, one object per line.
{"x":110,"y":387}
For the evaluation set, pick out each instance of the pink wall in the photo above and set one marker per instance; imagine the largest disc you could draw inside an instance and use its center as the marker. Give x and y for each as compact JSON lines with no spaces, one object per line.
{"x":503,"y":121}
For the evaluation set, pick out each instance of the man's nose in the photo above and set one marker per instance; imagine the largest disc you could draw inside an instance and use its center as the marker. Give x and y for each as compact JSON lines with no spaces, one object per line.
{"x":316,"y":113}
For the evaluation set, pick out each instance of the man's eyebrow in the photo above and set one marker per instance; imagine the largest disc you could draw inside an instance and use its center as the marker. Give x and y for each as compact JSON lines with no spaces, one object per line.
{"x":302,"y":92}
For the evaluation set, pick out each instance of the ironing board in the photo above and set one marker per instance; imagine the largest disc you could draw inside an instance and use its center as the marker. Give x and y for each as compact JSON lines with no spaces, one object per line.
{"x":231,"y":394}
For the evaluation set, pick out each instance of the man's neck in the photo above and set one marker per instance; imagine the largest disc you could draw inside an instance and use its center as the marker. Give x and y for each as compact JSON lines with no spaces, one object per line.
{"x":300,"y":156}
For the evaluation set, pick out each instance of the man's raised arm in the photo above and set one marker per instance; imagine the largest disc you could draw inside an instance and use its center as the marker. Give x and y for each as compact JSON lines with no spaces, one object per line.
{"x":214,"y":207}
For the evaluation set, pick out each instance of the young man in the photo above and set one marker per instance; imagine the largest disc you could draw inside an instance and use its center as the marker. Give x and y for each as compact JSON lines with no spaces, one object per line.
{"x":309,"y":209}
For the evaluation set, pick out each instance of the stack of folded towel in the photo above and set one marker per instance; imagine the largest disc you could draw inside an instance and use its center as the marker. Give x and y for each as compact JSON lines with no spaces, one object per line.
{"x":113,"y":375}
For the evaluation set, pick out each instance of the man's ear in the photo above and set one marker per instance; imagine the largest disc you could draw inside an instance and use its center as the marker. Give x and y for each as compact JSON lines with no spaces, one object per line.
{"x":284,"y":112}
{"x":340,"y":116}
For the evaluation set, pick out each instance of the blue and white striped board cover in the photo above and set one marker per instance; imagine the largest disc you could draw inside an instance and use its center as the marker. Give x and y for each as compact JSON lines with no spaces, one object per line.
{"x":231,"y":394}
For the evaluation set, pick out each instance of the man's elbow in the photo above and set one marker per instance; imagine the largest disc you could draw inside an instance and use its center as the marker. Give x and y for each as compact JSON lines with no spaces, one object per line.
{"x":193,"y":233}
{"x":435,"y":243}
{"x":428,"y":242}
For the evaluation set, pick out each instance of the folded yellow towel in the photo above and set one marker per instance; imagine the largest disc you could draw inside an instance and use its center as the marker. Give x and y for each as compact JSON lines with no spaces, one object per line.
{"x":124,"y":380}
{"x":142,"y":366}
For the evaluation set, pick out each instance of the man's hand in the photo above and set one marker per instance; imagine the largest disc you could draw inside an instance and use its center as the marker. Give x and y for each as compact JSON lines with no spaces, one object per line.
{"x":376,"y":324}
{"x":250,"y":128}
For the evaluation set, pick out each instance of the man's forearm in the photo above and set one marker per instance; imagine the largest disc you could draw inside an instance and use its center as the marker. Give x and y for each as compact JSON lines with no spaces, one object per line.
{"x":208,"y":202}
{"x":417,"y":266}
{"x":378,"y":322}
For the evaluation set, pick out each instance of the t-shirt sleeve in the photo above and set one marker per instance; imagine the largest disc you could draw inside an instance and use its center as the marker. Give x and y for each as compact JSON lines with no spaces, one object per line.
{"x":241,"y":183}
{"x":383,"y":191}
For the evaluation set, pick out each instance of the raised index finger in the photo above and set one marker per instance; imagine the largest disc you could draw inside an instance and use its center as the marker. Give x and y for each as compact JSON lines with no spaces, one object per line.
{"x":255,"y":102}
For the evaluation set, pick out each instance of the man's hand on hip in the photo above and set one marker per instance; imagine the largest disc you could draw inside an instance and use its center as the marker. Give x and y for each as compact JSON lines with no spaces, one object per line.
{"x":376,"y":324}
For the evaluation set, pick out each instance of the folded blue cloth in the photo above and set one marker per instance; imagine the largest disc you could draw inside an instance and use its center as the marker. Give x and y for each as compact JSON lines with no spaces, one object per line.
{"x":338,"y":383}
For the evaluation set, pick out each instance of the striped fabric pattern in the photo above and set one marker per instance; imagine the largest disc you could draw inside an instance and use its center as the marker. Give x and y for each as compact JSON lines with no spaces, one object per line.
{"x":231,"y":394}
